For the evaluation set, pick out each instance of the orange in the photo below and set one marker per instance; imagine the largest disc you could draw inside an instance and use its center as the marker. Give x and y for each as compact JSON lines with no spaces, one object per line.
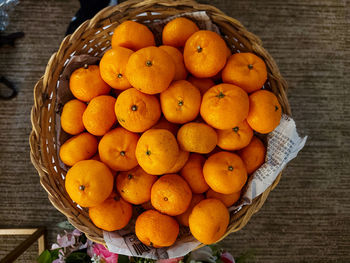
{"x":132,"y":35}
{"x":89,"y":183}
{"x":180,"y":161}
{"x":177,"y":31}
{"x":99,"y":115}
{"x":245,"y":70}
{"x":165,"y":124}
{"x":156,"y":230}
{"x":72,"y":117}
{"x":135,"y":185}
{"x":171,"y":195}
{"x":176,"y":55}
{"x":202,"y":84}
{"x":117,"y":149}
{"x":192,"y":172}
{"x":205,"y":54}
{"x":197,"y":137}
{"x":78,"y":148}
{"x":157,"y":151}
{"x":113,"y":65}
{"x":235,"y":138}
{"x":180,"y":102}
{"x":137,"y":111}
{"x":86,"y":83}
{"x":113,"y":214}
{"x":265,"y":111}
{"x":228,"y":200}
{"x":209,"y":220}
{"x":253,"y":155}
{"x":225,"y":172}
{"x":224,"y":106}
{"x":150,"y":70}
{"x":183,"y":218}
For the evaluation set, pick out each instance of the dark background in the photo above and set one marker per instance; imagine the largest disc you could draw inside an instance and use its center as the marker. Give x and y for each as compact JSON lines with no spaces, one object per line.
{"x":306,"y":218}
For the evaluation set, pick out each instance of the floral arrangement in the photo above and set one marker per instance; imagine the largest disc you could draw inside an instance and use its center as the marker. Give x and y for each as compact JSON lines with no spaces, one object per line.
{"x":74,"y":247}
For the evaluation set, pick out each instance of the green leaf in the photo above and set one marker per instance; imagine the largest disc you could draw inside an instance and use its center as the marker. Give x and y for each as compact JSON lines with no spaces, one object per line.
{"x":54,"y":253}
{"x":78,"y":257}
{"x":123,"y":259}
{"x":45,"y":257}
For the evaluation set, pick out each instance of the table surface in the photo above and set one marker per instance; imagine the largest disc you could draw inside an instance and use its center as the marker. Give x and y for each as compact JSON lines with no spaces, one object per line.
{"x":306,"y":218}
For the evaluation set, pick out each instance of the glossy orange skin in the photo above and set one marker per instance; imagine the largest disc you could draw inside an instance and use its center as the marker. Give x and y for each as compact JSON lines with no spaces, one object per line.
{"x":197,"y":137}
{"x":205,"y":54}
{"x":245,"y":70}
{"x":78,"y":148}
{"x":203,"y":84}
{"x":183,"y":218}
{"x":253,"y":155}
{"x":209,"y":220}
{"x":171,"y":195}
{"x":135,"y":185}
{"x":117,"y":149}
{"x":72,"y":117}
{"x":89,"y":183}
{"x":176,"y":55}
{"x":136,"y":111}
{"x":227,"y":199}
{"x":224,"y":106}
{"x":99,"y":116}
{"x":265,"y":111}
{"x":180,"y":162}
{"x":177,"y":31}
{"x":180,"y":102}
{"x":236,"y":138}
{"x":86,"y":83}
{"x":192,"y":172}
{"x":225,"y":172}
{"x":156,"y":230}
{"x":113,"y":67}
{"x":111,"y":215}
{"x":157,"y":151}
{"x":132,"y":35}
{"x":150,"y":70}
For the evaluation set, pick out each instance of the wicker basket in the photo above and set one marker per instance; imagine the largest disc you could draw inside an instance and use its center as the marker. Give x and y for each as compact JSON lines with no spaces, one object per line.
{"x":93,"y":37}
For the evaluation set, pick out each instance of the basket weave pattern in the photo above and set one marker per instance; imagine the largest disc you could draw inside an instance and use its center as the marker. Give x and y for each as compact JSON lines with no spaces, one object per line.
{"x":93,"y":38}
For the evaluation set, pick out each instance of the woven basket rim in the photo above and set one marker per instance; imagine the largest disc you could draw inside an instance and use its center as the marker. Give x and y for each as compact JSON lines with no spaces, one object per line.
{"x":41,"y":96}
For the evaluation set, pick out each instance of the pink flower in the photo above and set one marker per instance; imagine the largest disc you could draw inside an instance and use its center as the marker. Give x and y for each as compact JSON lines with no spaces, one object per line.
{"x":171,"y":260}
{"x":227,"y":258}
{"x":103,"y":252}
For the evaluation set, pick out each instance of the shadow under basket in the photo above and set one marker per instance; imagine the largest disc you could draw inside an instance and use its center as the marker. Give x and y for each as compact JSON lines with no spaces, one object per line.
{"x":93,"y":37}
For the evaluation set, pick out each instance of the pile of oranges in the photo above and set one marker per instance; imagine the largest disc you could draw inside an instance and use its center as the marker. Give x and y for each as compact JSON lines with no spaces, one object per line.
{"x":170,"y":128}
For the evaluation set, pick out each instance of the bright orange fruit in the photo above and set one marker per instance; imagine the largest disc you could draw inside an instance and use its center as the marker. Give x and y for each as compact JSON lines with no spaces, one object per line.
{"x":156,"y":230}
{"x":112,"y":214}
{"x":205,"y":54}
{"x":72,"y":117}
{"x":171,"y":195}
{"x":113,"y":66}
{"x":150,"y":70}
{"x":180,"y":102}
{"x":224,"y":106}
{"x":265,"y":111}
{"x":132,"y":35}
{"x":86,"y":83}
{"x":135,"y":185}
{"x":117,"y":149}
{"x":89,"y":183}
{"x":225,"y":172}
